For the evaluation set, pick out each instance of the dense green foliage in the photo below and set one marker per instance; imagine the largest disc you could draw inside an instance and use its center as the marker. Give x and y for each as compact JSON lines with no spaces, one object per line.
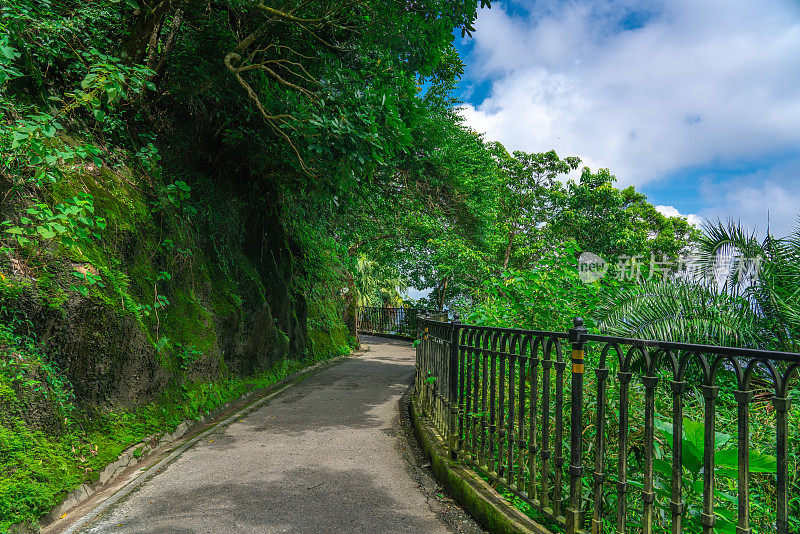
{"x":182,"y":176}
{"x":215,"y":184}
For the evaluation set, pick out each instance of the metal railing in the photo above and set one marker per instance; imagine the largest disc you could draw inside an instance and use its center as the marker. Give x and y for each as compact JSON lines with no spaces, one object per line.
{"x":400,"y":322}
{"x":513,"y":407}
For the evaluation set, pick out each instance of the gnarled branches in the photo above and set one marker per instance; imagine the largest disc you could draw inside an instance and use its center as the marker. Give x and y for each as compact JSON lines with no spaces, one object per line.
{"x":284,"y":48}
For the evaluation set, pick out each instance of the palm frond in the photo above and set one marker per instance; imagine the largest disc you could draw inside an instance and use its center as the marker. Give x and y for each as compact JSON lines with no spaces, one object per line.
{"x":682,"y":312}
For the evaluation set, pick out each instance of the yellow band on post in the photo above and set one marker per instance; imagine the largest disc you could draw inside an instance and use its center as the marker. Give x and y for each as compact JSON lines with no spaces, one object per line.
{"x":577,"y":355}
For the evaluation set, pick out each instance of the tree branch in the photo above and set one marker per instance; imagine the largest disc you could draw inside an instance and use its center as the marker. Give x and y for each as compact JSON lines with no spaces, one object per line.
{"x":272,"y":120}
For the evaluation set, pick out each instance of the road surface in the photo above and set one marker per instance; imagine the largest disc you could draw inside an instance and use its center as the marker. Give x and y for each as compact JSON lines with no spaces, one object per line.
{"x":329,"y":454}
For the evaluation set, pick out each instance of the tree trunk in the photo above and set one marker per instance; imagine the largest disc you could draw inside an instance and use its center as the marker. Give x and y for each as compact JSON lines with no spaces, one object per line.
{"x":146,"y":25}
{"x":177,"y":21}
{"x":442,"y":292}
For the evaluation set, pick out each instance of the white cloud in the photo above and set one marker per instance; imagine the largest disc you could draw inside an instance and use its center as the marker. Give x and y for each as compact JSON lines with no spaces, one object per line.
{"x":764,"y":198}
{"x":672,"y":211}
{"x":698,"y":82}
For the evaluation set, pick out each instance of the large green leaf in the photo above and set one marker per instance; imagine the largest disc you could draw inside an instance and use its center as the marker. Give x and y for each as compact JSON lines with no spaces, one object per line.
{"x":693,"y":441}
{"x":759,"y":462}
{"x":46,"y":232}
{"x":663,"y":467}
{"x":693,"y":436}
{"x":665,"y":428}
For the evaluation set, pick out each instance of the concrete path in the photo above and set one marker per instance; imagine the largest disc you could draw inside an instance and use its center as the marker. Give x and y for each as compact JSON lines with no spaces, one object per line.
{"x":330,"y":454}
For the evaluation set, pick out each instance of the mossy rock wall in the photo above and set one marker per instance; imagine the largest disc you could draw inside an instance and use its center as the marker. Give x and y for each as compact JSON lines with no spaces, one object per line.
{"x":233,"y":297}
{"x":90,"y":373}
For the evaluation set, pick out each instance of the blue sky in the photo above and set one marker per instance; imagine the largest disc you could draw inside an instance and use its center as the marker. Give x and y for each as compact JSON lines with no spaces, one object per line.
{"x":695,"y":102}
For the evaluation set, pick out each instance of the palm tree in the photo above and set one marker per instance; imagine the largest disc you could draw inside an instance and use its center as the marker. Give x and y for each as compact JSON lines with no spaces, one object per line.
{"x":680,"y":311}
{"x":378,"y":285}
{"x":774,"y":294}
{"x":729,"y":308}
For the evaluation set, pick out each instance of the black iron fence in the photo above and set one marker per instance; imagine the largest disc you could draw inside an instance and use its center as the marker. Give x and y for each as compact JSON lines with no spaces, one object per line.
{"x":590,"y":430}
{"x":398,"y":321}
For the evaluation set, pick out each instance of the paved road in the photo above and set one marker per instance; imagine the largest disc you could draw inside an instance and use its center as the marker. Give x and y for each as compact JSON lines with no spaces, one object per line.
{"x":330,"y":454}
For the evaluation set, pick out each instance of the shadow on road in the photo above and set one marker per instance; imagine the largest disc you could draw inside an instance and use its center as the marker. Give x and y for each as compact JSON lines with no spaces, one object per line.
{"x":307,"y":500}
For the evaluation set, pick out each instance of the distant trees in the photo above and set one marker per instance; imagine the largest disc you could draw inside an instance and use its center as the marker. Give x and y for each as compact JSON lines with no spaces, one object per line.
{"x":462,"y":213}
{"x":528,"y":192}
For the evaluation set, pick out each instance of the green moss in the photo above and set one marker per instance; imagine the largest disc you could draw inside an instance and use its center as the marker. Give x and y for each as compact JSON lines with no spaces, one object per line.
{"x":225,"y":300}
{"x":327,"y":331}
{"x":11,"y":288}
{"x":8,"y":397}
{"x":225,"y":303}
{"x":334,"y":342}
{"x":117,"y":195}
{"x":36,"y":471}
{"x":248,"y":280}
{"x":186,"y":322}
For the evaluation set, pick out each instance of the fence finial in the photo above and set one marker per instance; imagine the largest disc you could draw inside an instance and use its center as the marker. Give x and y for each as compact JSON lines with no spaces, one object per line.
{"x":577,"y":330}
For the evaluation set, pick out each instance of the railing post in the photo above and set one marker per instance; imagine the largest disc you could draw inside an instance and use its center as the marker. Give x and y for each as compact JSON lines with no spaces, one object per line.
{"x":743,"y":398}
{"x":573,"y":514}
{"x":781,"y":405}
{"x":707,"y":516}
{"x":418,"y":363}
{"x":422,"y":366}
{"x":452,"y":385}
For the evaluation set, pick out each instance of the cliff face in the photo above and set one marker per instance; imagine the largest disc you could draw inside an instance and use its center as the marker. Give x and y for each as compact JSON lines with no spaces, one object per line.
{"x":181,"y":297}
